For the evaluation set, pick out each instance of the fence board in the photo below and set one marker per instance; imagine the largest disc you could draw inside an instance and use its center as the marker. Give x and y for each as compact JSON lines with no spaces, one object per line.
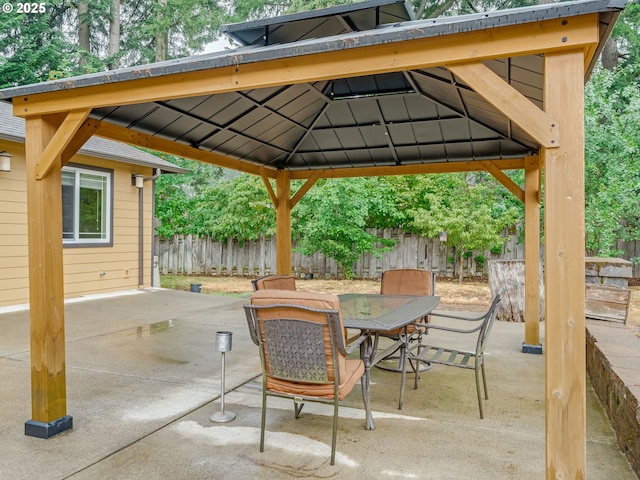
{"x":193,"y":255}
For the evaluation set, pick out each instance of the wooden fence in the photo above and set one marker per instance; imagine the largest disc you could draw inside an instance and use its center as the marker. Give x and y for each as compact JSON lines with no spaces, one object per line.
{"x":193,"y":255}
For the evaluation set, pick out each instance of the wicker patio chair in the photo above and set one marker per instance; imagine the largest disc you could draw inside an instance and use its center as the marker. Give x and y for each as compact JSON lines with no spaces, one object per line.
{"x":453,"y":357}
{"x":274,"y":282}
{"x":302,"y":351}
{"x":405,"y":281}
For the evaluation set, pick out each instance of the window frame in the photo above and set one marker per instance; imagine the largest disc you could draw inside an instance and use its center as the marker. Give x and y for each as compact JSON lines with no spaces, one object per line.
{"x":85,"y":242}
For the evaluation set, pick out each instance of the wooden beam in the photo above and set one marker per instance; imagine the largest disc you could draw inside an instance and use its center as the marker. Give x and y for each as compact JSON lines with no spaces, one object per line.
{"x":154,"y":143}
{"x":46,"y":284}
{"x":502,"y":177}
{"x":304,"y":189}
{"x":565,"y":359}
{"x":267,"y":185}
{"x":509,"y":101}
{"x":132,"y":137}
{"x":349,"y":61}
{"x":283,"y":223}
{"x":416,"y":169}
{"x":84,"y":133}
{"x":60,"y":141}
{"x":140,"y":139}
{"x":532,"y":255}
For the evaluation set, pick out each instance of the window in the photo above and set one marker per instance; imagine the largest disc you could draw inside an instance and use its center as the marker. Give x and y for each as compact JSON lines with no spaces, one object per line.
{"x":86,"y":206}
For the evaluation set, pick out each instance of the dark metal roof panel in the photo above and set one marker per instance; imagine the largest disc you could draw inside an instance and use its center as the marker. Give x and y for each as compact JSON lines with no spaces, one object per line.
{"x":12,"y":129}
{"x":319,"y":23}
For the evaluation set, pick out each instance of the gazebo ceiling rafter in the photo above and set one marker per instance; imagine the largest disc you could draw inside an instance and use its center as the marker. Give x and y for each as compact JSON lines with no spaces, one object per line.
{"x":387,"y":135}
{"x":307,"y":132}
{"x":461,"y":111}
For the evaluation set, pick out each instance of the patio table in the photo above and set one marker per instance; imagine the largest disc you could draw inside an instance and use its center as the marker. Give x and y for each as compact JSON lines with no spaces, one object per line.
{"x":373,"y":313}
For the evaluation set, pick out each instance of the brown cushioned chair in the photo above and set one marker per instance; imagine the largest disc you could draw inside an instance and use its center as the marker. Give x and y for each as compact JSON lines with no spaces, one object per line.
{"x":302,"y":350}
{"x":274,"y":282}
{"x":406,"y":281}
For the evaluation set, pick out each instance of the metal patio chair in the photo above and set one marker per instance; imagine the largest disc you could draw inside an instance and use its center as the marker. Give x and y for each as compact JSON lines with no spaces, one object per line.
{"x":274,"y":282}
{"x":406,"y":281}
{"x":302,"y":351}
{"x":453,"y":357}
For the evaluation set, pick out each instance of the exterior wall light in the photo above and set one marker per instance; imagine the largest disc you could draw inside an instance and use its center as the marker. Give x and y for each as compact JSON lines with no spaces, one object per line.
{"x":5,"y":161}
{"x":137,"y":180}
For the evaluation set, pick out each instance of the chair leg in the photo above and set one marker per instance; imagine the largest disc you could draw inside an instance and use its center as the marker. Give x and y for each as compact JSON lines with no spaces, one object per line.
{"x":264,"y":419}
{"x":477,"y":370}
{"x":297,"y":407}
{"x":334,"y":435}
{"x":484,"y":381}
{"x":403,"y":373}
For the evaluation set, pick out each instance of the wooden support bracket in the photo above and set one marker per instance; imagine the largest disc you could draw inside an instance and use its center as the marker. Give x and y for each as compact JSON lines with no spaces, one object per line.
{"x":305,"y":188}
{"x":502,"y":177}
{"x":267,"y":184}
{"x":84,"y":133}
{"x":509,"y":101}
{"x":60,"y":141}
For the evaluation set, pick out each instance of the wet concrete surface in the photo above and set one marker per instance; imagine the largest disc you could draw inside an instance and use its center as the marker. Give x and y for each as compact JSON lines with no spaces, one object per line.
{"x":143,"y":378}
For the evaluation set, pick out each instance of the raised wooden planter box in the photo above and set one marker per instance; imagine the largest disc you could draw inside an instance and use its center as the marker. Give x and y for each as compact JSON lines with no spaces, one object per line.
{"x":607,"y":303}
{"x":606,"y":295}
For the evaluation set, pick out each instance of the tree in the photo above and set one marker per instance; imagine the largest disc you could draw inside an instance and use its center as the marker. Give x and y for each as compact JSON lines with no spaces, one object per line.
{"x":114,"y":34}
{"x":237,"y":208}
{"x":472,"y":215}
{"x":74,"y":38}
{"x":612,"y":155}
{"x":623,"y":46}
{"x":333,"y":218}
{"x":156,"y":30}
{"x":33,"y":47}
{"x":178,"y":196}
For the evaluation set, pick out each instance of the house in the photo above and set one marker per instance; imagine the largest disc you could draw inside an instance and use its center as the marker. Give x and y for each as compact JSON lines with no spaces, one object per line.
{"x":107,"y":220}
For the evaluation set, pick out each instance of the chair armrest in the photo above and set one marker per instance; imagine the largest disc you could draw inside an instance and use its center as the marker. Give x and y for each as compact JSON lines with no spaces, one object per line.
{"x":354,"y":342}
{"x":431,"y":325}
{"x":435,"y":313}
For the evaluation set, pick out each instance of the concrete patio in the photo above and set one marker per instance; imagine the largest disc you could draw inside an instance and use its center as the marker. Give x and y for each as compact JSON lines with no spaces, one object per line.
{"x":143,"y":377}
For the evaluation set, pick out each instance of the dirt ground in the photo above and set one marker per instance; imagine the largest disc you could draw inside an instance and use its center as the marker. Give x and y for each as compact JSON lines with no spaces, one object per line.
{"x":470,"y":295}
{"x":475,"y":295}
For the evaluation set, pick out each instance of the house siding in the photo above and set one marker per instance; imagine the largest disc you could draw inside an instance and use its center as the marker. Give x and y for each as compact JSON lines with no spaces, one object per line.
{"x":82,"y":265}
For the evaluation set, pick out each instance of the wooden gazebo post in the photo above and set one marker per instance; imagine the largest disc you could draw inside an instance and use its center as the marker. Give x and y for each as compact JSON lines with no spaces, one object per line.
{"x":46,"y":285}
{"x":531,"y":342}
{"x":283,"y":222}
{"x":565,"y":368}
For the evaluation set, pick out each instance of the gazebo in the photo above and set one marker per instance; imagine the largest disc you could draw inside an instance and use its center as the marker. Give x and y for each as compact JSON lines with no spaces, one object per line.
{"x":353,"y":90}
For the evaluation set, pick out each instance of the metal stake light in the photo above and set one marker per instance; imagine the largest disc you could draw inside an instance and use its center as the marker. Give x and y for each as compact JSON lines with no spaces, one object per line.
{"x":223,"y":344}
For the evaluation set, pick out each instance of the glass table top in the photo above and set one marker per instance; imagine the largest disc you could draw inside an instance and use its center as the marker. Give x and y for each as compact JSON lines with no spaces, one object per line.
{"x":384,"y":312}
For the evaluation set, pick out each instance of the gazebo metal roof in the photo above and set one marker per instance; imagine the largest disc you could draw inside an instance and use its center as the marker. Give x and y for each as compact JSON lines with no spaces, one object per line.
{"x":418,"y":116}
